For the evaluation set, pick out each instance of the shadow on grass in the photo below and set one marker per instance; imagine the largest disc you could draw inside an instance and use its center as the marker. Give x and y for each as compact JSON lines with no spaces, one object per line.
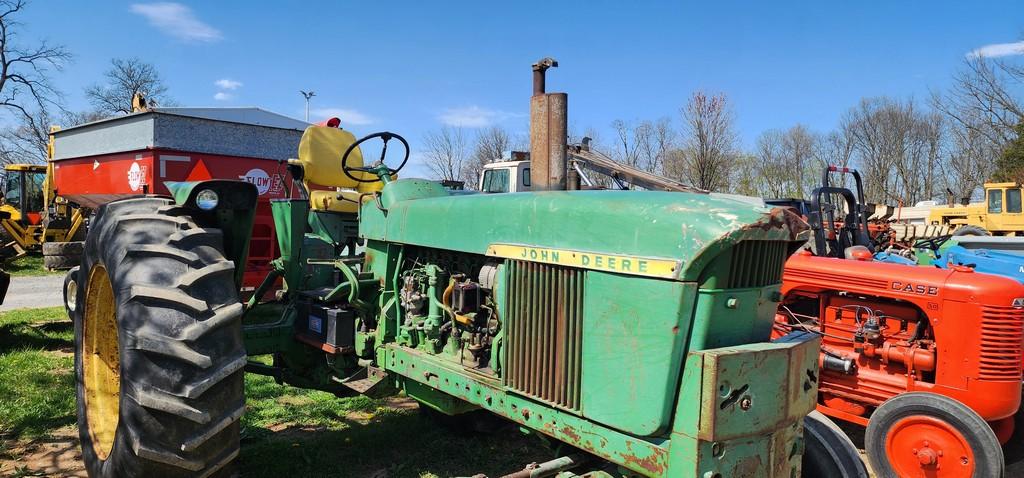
{"x":38,"y":336}
{"x":392,"y":444}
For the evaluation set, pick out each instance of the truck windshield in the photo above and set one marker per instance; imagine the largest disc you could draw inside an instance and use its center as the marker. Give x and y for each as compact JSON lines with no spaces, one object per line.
{"x":1013,"y":200}
{"x":495,"y":181}
{"x":34,"y":191}
{"x":12,"y":189}
{"x":995,"y":201}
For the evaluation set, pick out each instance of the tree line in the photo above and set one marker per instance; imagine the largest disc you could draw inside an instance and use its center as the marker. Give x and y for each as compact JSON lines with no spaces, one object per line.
{"x":907,"y":150}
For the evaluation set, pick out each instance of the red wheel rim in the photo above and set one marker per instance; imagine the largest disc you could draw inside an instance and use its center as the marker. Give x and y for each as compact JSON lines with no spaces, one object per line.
{"x":923,"y":446}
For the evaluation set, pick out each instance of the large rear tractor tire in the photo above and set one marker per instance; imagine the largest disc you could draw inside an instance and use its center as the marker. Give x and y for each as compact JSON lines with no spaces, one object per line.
{"x":829,"y":453}
{"x":971,"y":231}
{"x":927,"y":434}
{"x":158,"y":345}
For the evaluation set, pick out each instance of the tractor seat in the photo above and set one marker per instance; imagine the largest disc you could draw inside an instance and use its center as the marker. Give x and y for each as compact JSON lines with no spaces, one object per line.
{"x":320,"y":152}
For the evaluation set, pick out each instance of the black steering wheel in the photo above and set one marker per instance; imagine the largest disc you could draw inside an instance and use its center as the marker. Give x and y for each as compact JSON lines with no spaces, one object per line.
{"x":378,"y":167}
{"x":934,"y":243}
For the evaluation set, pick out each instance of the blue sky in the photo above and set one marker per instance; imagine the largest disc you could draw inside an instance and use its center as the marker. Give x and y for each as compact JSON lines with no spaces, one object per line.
{"x":409,"y":67}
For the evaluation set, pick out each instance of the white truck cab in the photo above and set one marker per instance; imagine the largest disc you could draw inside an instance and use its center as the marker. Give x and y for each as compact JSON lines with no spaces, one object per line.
{"x":507,"y":176}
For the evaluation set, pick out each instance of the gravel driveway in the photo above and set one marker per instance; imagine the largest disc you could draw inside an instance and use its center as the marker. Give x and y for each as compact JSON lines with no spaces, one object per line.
{"x":35,"y":291}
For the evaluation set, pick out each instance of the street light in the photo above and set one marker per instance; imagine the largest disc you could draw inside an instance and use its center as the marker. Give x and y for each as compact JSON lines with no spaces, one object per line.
{"x":307,"y":95}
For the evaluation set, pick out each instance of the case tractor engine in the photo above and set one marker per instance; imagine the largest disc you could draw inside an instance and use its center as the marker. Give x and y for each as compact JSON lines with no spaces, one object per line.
{"x":632,"y":327}
{"x":928,"y":359}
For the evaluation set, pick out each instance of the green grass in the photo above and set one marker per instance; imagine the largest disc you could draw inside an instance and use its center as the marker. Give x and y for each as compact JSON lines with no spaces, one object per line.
{"x":289,"y":432}
{"x":36,"y":382}
{"x":29,"y":265}
{"x":285,"y":432}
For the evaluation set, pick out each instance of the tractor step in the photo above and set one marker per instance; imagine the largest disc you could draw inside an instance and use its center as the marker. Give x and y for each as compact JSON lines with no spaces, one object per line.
{"x":370,"y":382}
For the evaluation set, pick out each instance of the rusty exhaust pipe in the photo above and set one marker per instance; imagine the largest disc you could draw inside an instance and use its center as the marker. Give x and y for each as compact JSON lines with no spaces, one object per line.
{"x":539,"y":69}
{"x":548,"y":132}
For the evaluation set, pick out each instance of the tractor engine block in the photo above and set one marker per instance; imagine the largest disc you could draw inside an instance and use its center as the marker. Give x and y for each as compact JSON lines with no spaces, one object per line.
{"x":448,"y":306}
{"x":869,"y":346}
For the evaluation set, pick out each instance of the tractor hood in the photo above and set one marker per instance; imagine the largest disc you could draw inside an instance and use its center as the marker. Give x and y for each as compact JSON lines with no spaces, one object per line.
{"x":684,"y":229}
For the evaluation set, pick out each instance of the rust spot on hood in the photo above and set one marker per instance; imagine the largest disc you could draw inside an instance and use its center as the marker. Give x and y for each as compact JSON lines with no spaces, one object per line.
{"x":782,"y":217}
{"x":649,"y":463}
{"x":571,"y":433}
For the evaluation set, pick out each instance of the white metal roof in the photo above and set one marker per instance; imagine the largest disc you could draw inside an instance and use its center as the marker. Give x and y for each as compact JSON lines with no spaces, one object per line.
{"x":245,"y":115}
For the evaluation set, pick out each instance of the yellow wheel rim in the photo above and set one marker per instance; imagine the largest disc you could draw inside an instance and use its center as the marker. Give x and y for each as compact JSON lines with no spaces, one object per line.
{"x":101,"y":362}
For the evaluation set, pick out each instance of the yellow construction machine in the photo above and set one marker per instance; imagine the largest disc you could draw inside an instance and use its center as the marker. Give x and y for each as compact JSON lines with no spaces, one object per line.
{"x":33,"y":217}
{"x":1001,"y":213}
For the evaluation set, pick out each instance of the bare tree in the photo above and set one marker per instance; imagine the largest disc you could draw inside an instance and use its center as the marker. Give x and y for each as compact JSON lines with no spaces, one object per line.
{"x":654,"y":140}
{"x":836,"y":148}
{"x":709,"y":142}
{"x":491,"y":145}
{"x":981,"y":98}
{"x":747,"y":176}
{"x":25,"y":87}
{"x":625,"y":143}
{"x":971,"y":156}
{"x":445,"y":153}
{"x":799,"y":149}
{"x":897,"y":146}
{"x":27,"y":140}
{"x":772,"y":178}
{"x":125,"y":79}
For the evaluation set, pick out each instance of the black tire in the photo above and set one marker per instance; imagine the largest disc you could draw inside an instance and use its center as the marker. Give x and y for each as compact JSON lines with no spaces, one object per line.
{"x":1013,"y":449}
{"x":73,"y":248}
{"x":988,"y":455}
{"x":828,"y":452}
{"x":71,"y":292}
{"x":61,"y":263}
{"x":179,"y":341}
{"x":971,"y":231}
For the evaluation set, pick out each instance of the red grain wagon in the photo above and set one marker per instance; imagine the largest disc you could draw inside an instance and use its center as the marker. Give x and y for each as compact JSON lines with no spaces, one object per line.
{"x":99,"y":162}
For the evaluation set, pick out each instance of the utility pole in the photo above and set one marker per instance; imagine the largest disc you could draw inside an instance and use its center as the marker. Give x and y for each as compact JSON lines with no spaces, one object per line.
{"x":307,"y":95}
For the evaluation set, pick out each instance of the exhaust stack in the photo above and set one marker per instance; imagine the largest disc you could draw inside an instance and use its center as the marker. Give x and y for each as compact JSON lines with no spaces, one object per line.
{"x":548,"y":132}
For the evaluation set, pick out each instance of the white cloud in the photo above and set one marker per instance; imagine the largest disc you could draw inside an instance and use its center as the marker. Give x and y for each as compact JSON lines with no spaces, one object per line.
{"x":177,"y":20}
{"x":227,"y":84}
{"x":473,"y":116}
{"x":223,"y":96}
{"x":347,"y":116}
{"x":996,"y":50}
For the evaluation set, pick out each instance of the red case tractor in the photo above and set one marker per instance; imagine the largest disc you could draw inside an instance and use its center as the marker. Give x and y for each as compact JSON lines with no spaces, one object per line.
{"x":929,"y":360}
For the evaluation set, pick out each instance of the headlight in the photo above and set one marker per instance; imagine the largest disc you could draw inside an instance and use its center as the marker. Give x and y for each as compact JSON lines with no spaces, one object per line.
{"x":1018,"y":303}
{"x":207,"y":199}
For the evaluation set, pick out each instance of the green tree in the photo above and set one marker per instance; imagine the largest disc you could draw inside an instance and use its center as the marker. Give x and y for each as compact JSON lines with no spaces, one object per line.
{"x":1010,"y":164}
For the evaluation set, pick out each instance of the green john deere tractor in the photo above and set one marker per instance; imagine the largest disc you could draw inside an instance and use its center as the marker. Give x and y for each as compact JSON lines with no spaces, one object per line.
{"x":631,"y":326}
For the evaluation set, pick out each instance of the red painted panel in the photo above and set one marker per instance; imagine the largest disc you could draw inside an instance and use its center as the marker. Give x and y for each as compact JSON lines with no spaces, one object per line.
{"x":96,"y":180}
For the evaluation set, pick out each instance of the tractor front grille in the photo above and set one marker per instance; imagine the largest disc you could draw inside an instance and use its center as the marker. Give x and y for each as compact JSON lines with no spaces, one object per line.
{"x":543,"y":324}
{"x":1002,"y":330}
{"x":757,"y":264}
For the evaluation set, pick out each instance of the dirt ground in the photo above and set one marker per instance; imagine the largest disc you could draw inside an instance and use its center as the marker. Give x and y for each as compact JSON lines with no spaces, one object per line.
{"x":57,"y":455}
